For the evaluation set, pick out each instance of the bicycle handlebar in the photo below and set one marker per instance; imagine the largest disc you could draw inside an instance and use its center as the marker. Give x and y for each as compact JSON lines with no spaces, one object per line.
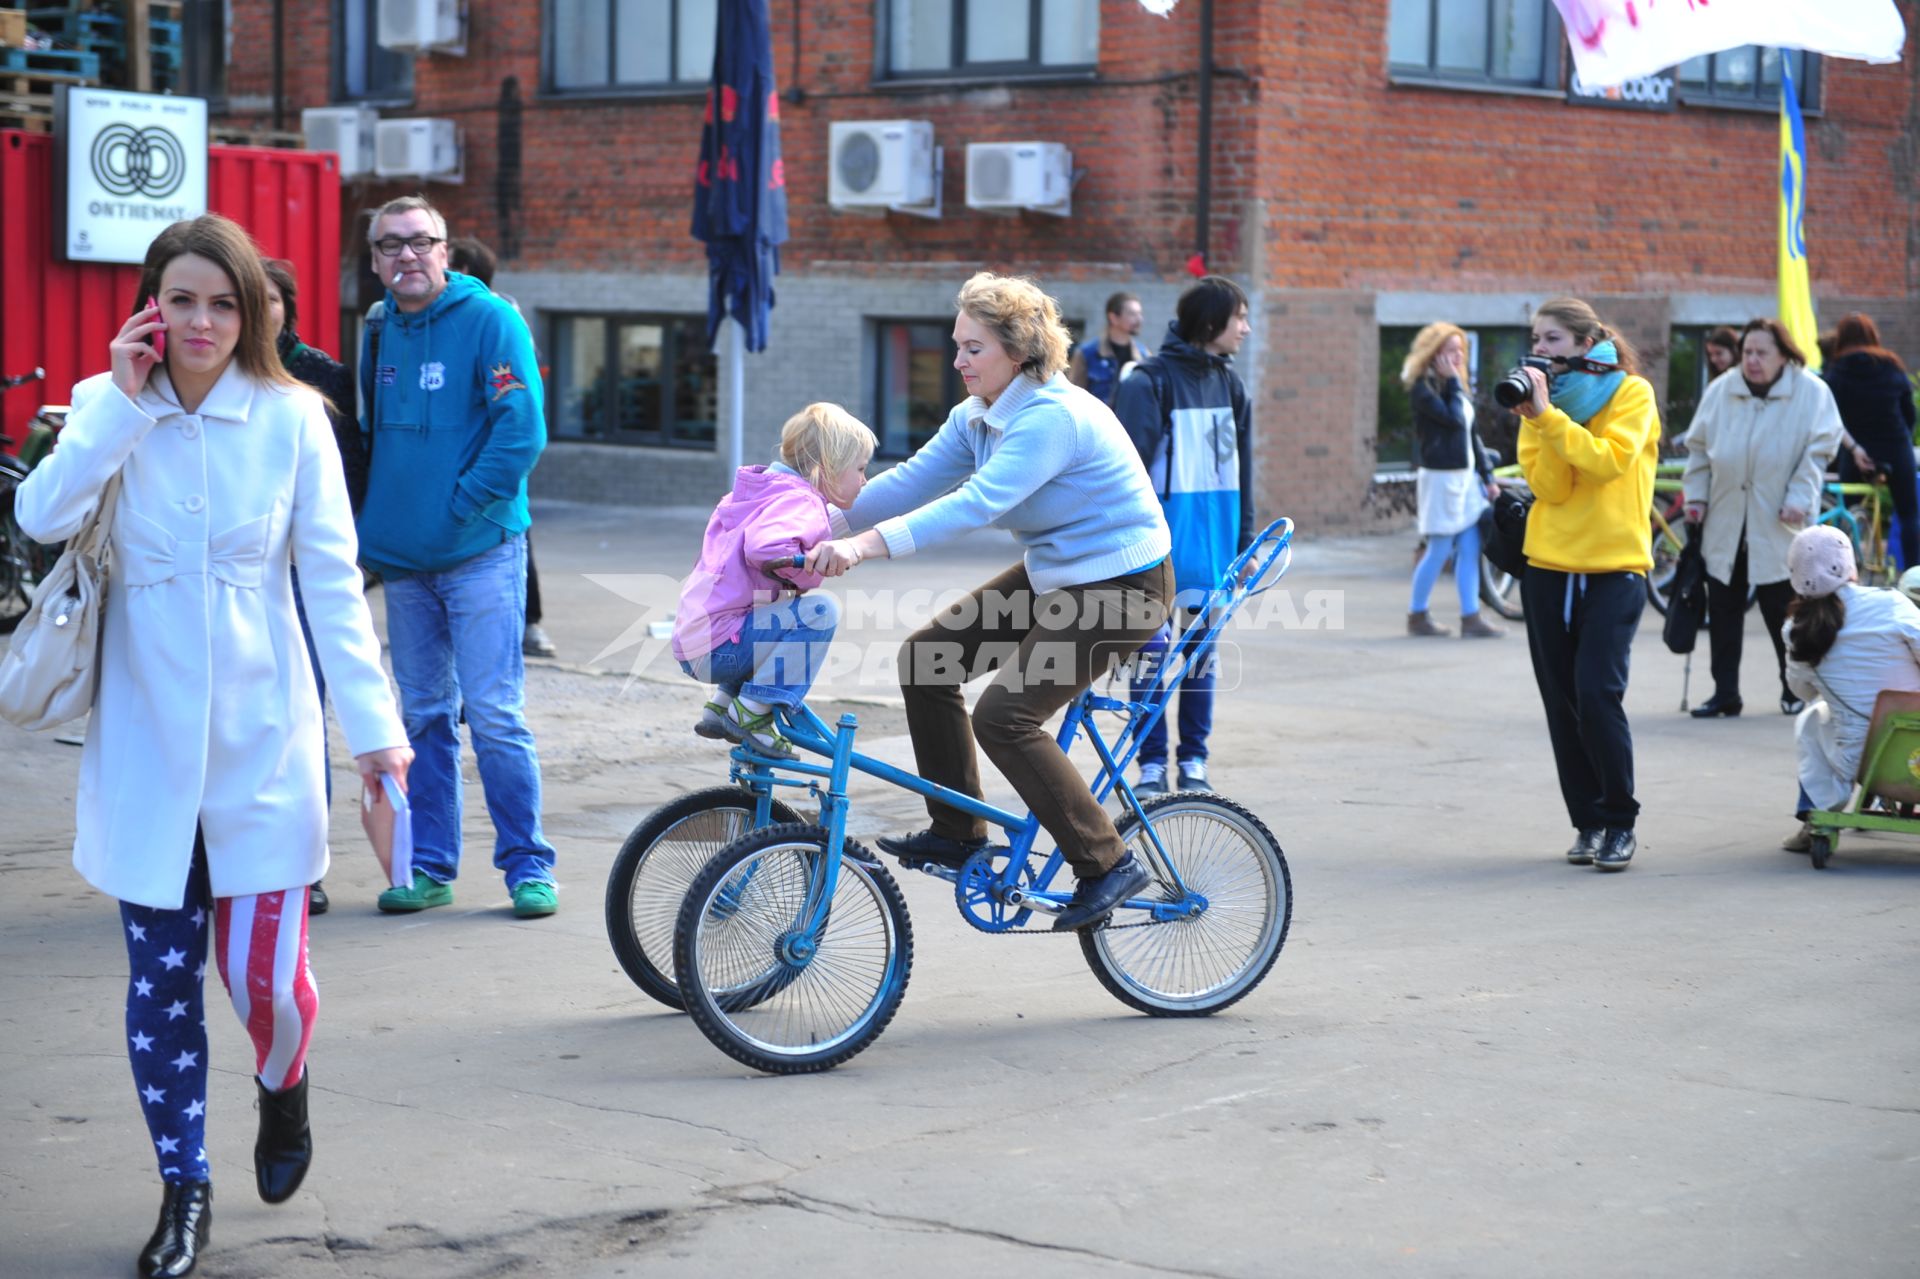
{"x":21,"y":379}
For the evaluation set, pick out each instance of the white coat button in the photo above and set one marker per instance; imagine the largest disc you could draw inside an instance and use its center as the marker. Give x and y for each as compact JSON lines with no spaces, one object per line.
{"x":191,"y":431}
{"x":196,"y":504}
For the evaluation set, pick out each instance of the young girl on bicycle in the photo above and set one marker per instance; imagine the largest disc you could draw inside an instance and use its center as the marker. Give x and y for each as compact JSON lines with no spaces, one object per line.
{"x":745,"y":622}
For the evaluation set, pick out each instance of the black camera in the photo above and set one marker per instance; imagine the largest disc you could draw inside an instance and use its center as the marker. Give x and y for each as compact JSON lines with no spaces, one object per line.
{"x":1514,"y":389}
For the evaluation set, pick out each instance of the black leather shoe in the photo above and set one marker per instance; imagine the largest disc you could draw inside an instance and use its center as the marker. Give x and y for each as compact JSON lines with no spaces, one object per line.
{"x":924,"y":846}
{"x":186,"y":1227}
{"x":317,"y":902}
{"x":1096,"y":897}
{"x":1586,"y":845}
{"x":1717,"y":707}
{"x":284,"y":1148}
{"x":1615,"y":851}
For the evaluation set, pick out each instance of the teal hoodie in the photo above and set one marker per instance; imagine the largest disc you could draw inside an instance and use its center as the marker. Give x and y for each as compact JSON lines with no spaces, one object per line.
{"x":454,"y":422}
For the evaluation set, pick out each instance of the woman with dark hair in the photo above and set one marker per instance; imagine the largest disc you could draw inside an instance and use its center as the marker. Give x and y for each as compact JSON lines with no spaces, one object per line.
{"x":1845,"y":644}
{"x":200,"y":803}
{"x":1589,"y":441}
{"x":1029,"y":452}
{"x":1722,"y":350}
{"x":1757,"y":456}
{"x":1875,"y":399}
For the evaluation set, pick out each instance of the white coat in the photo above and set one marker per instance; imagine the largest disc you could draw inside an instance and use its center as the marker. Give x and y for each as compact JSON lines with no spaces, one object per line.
{"x":1878,"y":648}
{"x":206,"y":710}
{"x":1750,"y":456}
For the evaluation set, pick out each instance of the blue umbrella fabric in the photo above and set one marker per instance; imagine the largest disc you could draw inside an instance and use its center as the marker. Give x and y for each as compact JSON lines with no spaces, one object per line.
{"x":740,"y":203}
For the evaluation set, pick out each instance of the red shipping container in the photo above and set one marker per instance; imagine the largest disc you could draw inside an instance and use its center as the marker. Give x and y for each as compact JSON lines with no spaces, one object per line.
{"x":60,"y":315}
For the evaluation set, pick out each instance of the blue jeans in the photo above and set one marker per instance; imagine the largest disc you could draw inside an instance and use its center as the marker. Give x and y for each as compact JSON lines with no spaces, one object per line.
{"x":1464,"y":548}
{"x":455,"y":637}
{"x":1195,"y":694}
{"x":778,"y":653}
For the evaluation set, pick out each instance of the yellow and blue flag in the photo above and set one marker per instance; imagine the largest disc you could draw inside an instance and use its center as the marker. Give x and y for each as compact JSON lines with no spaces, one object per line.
{"x":1796,"y":293}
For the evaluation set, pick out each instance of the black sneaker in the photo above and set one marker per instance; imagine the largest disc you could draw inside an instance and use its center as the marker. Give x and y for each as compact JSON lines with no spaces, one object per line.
{"x":1615,"y":851}
{"x":1586,"y":845}
{"x":1193,"y":775}
{"x":923,"y":846}
{"x":1096,"y":896}
{"x":317,"y":901}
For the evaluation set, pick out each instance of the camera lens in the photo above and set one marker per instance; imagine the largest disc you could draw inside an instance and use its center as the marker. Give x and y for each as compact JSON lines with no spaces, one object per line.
{"x":1512,"y":390}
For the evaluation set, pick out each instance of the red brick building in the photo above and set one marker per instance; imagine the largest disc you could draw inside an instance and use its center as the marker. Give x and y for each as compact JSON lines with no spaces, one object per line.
{"x":1372,"y":166}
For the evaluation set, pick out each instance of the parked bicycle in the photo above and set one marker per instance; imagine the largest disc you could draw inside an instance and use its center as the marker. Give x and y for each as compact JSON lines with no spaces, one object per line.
{"x":790,"y":945}
{"x":23,"y":561}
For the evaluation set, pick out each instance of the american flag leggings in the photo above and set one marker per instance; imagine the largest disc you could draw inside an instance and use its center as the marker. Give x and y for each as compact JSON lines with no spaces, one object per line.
{"x":260,"y":938}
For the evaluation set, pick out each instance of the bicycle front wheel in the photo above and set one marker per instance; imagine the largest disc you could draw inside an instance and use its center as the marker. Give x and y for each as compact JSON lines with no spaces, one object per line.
{"x":776,"y":983}
{"x":657,"y":865}
{"x":1193,"y":966}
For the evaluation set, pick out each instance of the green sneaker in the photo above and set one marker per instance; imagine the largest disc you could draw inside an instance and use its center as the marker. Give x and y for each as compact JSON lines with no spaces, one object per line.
{"x":533,"y":899}
{"x":425,"y":894}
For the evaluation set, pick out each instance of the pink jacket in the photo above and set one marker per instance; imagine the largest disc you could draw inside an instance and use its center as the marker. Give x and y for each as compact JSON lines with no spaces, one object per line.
{"x":772,"y":513}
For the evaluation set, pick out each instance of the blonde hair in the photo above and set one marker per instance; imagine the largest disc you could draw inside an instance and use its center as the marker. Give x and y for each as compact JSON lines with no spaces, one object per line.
{"x":823,"y":439}
{"x":1581,"y":321}
{"x":1022,"y":318}
{"x":1426,"y":344}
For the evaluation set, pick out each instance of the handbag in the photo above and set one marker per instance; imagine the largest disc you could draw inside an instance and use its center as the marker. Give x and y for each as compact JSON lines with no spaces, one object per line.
{"x":51,"y":671}
{"x":1686,"y":597}
{"x":1503,"y":531}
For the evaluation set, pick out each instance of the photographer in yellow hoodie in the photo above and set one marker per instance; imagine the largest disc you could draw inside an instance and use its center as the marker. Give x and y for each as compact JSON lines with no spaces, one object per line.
{"x":1589,"y":439}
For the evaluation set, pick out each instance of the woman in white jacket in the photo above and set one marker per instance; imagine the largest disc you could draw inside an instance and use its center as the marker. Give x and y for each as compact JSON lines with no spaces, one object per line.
{"x":200,"y":801}
{"x":1846,"y":644}
{"x":1757,"y":455}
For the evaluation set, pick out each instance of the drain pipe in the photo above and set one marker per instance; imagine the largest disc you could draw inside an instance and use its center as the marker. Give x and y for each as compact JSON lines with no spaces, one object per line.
{"x":279,"y":64}
{"x":1202,"y":216}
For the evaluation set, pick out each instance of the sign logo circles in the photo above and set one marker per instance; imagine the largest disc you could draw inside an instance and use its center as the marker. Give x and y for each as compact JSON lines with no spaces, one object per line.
{"x":130,"y":161}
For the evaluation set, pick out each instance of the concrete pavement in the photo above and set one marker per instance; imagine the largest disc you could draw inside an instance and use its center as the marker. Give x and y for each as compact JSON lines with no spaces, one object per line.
{"x":1470,"y":1059}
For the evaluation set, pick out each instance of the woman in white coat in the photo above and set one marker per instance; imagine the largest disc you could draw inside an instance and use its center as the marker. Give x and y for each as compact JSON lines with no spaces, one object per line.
{"x":201,"y":800}
{"x":1846,"y":644}
{"x":1757,"y":455}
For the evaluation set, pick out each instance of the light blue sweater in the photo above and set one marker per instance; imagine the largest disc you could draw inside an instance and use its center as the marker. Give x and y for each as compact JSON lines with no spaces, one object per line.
{"x":1047,"y":462}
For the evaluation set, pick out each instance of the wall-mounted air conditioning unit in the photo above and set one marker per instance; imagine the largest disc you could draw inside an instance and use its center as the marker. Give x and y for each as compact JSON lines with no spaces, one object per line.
{"x":345,"y":131}
{"x":422,"y":26}
{"x":417,"y":149}
{"x":878,"y":165}
{"x":1004,"y":177}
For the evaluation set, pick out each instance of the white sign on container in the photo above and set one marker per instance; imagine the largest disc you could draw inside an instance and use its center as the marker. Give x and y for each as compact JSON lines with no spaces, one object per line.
{"x":126,"y":165}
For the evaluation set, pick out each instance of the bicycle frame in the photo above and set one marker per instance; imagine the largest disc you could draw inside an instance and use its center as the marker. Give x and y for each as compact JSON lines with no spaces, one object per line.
{"x":761,"y":773}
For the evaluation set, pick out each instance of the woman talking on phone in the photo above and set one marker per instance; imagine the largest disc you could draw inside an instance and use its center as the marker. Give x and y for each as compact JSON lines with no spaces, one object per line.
{"x":1589,"y":441}
{"x":200,"y":803}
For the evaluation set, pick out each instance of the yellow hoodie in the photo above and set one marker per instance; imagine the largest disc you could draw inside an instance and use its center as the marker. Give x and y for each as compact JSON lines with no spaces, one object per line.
{"x":1593,"y":484}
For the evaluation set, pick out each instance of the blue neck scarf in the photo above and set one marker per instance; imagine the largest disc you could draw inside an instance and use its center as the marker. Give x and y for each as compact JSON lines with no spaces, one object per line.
{"x":1581,"y":395}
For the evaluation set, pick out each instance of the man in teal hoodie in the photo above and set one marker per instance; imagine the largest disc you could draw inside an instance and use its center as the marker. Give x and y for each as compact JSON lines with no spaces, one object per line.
{"x":453,"y":423}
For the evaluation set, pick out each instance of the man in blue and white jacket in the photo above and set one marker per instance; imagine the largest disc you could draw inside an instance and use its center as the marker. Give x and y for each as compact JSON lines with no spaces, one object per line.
{"x":1188,"y":414}
{"x":454,"y":424}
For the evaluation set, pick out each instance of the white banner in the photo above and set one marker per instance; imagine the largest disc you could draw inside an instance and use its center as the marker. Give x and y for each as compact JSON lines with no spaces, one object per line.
{"x":1615,"y":41}
{"x":127,"y":165}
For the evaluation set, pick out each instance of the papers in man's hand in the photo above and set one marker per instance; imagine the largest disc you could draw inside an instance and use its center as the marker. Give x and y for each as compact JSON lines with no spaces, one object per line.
{"x":388,"y":821}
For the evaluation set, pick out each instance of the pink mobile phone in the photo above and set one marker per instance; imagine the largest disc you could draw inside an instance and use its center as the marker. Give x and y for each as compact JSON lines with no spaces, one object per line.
{"x":158,"y":341}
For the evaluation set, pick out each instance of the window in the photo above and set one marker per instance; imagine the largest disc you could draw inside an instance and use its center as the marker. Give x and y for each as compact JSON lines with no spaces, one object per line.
{"x":1749,"y":76}
{"x":990,"y":37}
{"x":917,"y":384}
{"x":363,"y":71}
{"x":1491,"y":352}
{"x":634,"y":379}
{"x":600,"y":45}
{"x":1492,"y":42}
{"x":199,"y":63}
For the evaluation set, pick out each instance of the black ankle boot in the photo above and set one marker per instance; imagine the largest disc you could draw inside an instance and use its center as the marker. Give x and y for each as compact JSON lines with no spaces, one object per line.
{"x":186,"y":1227}
{"x":285,"y":1145}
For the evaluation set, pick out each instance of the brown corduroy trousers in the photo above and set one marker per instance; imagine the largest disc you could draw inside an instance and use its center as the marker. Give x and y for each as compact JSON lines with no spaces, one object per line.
{"x":1044,"y":650}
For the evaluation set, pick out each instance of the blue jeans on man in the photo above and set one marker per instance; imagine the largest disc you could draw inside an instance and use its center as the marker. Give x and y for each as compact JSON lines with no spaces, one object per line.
{"x":778,"y":653}
{"x":455,"y":639}
{"x":1195,"y":693}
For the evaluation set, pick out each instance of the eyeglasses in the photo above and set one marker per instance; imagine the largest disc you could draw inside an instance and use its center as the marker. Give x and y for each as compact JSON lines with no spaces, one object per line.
{"x":420,"y":244}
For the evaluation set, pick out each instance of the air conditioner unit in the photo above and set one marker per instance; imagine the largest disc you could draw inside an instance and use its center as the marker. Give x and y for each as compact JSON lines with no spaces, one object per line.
{"x":417,"y":149}
{"x":1006,"y":176}
{"x":878,"y":165}
{"x":422,"y":26}
{"x":345,"y":131}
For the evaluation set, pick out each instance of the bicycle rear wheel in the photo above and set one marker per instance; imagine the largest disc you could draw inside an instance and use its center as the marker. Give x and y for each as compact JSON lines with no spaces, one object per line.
{"x":654,"y":869}
{"x":768,"y":987}
{"x":23,"y":561}
{"x":1194,"y":966}
{"x":1500,"y":591}
{"x":1666,"y":558}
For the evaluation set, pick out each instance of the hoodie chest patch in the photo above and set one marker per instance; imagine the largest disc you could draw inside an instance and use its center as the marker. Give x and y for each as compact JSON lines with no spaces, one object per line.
{"x":433,"y":376}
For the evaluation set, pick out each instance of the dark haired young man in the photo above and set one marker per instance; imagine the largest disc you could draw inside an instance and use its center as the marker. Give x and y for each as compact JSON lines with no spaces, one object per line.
{"x":1097,"y":362}
{"x":1187,"y":412}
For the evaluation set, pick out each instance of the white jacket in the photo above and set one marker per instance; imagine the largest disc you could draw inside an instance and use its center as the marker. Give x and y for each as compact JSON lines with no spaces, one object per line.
{"x":1750,"y":456}
{"x":206,"y":710}
{"x":1878,"y":648}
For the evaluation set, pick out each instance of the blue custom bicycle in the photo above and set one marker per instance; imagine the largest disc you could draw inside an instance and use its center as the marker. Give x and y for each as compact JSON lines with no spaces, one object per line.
{"x":791,"y":945}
